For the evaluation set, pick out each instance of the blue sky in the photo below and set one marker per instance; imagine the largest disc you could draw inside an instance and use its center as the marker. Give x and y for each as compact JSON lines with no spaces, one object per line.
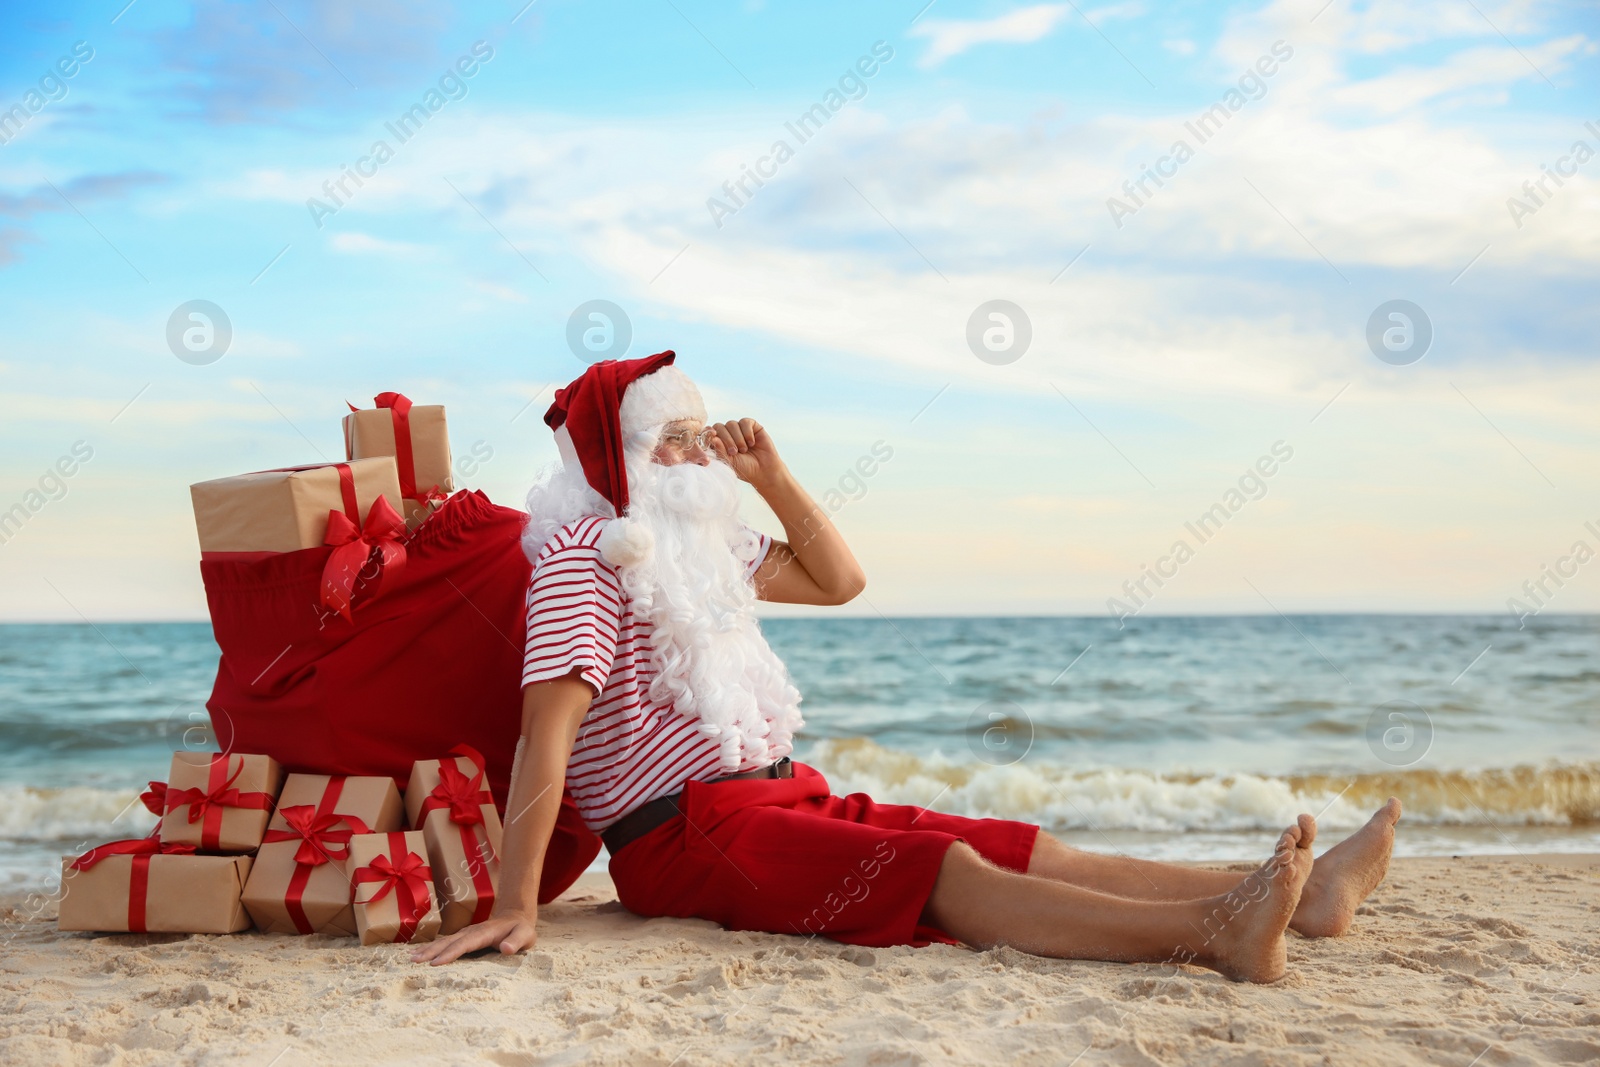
{"x":1172,"y":344}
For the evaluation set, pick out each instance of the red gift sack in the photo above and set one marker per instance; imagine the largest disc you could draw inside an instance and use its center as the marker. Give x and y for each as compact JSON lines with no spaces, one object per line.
{"x":431,"y":658}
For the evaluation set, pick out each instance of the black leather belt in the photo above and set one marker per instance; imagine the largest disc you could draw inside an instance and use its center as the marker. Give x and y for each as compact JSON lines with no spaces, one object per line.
{"x":648,"y":816}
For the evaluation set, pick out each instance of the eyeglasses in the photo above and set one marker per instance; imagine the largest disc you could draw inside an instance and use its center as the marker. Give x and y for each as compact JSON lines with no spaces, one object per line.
{"x":687,"y":439}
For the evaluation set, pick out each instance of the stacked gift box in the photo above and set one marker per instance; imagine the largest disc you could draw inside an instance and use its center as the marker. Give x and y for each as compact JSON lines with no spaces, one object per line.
{"x":396,"y":473}
{"x":241,"y":843}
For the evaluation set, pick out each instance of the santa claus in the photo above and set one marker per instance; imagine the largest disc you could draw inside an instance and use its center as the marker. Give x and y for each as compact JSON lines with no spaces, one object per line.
{"x":650,"y":693}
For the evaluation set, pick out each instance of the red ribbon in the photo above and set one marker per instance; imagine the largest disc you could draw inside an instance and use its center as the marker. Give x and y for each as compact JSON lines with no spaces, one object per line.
{"x":155,"y":798}
{"x":138,"y":846}
{"x":465,"y":798}
{"x":315,"y":829}
{"x":384,"y":530}
{"x":141,"y":849}
{"x":409,"y":872}
{"x":400,"y":414}
{"x":404,"y":458}
{"x":208,"y":803}
{"x":320,"y":842}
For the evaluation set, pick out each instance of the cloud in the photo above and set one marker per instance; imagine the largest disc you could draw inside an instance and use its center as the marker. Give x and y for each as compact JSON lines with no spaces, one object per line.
{"x":951,"y":37}
{"x":357,"y":244}
{"x":1193,"y":292}
{"x":43,"y":200}
{"x":499,"y":292}
{"x":246,"y":62}
{"x":11,"y":242}
{"x":1379,"y":28}
{"x":1469,"y":69}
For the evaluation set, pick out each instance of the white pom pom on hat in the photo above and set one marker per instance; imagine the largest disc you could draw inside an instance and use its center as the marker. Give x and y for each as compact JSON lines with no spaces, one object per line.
{"x":626,"y":542}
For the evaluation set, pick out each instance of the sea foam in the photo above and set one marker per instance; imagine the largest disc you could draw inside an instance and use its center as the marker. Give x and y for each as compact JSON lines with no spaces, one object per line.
{"x":1060,"y":797}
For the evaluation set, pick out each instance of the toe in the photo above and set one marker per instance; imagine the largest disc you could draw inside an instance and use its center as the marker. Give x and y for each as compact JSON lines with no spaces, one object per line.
{"x":1308,"y":830}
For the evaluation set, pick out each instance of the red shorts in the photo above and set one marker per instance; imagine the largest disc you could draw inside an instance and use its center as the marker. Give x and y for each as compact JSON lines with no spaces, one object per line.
{"x":784,"y":856}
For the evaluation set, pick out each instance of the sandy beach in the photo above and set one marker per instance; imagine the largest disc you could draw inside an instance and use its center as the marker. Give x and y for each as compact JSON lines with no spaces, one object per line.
{"x":1476,"y":960}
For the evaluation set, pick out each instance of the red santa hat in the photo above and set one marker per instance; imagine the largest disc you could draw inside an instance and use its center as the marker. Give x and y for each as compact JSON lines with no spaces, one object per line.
{"x":604,"y":409}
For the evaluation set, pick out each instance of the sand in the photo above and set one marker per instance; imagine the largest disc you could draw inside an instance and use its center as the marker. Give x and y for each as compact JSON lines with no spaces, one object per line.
{"x":1486,"y":961}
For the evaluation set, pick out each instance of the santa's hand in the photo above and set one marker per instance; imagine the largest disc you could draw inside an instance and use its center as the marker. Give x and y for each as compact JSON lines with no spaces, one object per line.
{"x":511,"y":933}
{"x":747,"y":448}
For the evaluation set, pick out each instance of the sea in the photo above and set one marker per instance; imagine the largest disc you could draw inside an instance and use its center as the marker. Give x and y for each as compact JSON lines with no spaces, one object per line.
{"x":1184,"y":738}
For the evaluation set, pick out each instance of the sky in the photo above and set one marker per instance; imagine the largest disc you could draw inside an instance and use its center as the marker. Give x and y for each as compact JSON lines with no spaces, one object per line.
{"x":1197,"y":219}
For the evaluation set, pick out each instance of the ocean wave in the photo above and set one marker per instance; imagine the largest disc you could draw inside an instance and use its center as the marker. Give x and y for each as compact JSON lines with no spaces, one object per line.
{"x":1054,"y":795}
{"x":61,"y":737}
{"x":71,"y":814}
{"x":1085,"y":728}
{"x":1059,"y":797}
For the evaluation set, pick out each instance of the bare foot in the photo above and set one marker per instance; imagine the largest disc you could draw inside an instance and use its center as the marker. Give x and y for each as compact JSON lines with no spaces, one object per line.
{"x":1344,"y":875}
{"x":1245,"y":928}
{"x":1302,"y":851}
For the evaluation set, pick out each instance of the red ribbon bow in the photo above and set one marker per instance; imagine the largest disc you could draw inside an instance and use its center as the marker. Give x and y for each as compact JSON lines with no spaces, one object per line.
{"x":315,"y":829}
{"x":465,"y":797}
{"x":221,"y":794}
{"x":462,"y":795}
{"x":208,"y":803}
{"x":155,"y":798}
{"x":141,"y":849}
{"x":383,"y":530}
{"x":320,"y":843}
{"x":410,"y":874}
{"x":404,"y":459}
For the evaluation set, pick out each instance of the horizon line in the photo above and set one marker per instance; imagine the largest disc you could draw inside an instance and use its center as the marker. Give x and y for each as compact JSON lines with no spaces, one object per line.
{"x":854,"y":616}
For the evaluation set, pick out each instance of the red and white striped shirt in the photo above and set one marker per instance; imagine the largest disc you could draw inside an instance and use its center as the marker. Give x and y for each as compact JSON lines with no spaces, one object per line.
{"x":629,"y":750}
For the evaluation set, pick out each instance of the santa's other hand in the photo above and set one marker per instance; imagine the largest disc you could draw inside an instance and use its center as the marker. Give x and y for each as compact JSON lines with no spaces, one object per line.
{"x":510,"y":934}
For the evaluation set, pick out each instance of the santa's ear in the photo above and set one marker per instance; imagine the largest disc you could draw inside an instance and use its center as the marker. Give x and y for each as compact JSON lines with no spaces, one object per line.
{"x":626,"y":542}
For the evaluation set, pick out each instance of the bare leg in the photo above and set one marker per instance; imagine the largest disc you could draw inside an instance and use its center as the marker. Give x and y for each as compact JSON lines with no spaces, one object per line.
{"x":1340,"y":880}
{"x":1237,"y":932}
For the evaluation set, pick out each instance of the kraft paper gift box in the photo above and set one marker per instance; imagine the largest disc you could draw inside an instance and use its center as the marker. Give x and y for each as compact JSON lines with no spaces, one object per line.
{"x":219,"y":802}
{"x":416,"y":436}
{"x":286,"y":510}
{"x":300,"y":882}
{"x":392,"y":888}
{"x":144,"y":886}
{"x":449,"y":801}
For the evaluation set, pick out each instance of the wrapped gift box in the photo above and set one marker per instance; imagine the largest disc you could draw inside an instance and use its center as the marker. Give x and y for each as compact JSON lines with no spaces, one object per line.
{"x":143,"y":886}
{"x":219,"y":802}
{"x":392,"y":888}
{"x":449,"y":801}
{"x":300,"y":882}
{"x":287,"y":510}
{"x":416,"y":436}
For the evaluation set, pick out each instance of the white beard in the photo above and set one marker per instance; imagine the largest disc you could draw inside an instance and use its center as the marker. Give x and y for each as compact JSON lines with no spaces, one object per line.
{"x":712,"y":664}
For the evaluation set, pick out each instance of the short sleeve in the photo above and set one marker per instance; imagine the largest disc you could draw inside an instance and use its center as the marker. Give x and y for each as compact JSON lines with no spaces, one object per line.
{"x":574,"y":618}
{"x":763,"y":546}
